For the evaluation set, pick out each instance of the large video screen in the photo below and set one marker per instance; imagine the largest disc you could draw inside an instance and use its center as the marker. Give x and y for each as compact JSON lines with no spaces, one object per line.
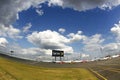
{"x":57,"y":53}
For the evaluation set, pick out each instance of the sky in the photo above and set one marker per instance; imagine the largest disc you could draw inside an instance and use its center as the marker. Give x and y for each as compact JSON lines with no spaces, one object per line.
{"x":85,"y":29}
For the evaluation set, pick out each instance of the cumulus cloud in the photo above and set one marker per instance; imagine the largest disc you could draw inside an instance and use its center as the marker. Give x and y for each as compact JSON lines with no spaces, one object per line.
{"x":3,"y":42}
{"x":111,"y":49}
{"x":93,"y":44}
{"x":10,"y":32}
{"x":27,"y":27}
{"x":83,"y":5}
{"x":116,"y":30}
{"x":61,"y":30}
{"x":94,"y":39}
{"x":28,"y":53}
{"x":76,"y":37}
{"x":36,"y":51}
{"x":50,"y":40}
{"x":84,"y":55}
{"x":9,"y":9}
{"x":111,"y":46}
{"x":55,"y":2}
{"x":40,"y":12}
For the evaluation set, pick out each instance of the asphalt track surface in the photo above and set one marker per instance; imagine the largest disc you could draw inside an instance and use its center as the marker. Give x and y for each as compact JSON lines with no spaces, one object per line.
{"x":109,"y":69}
{"x":103,"y":70}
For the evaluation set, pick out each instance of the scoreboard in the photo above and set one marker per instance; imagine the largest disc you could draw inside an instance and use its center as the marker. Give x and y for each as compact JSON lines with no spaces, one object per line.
{"x":57,"y":53}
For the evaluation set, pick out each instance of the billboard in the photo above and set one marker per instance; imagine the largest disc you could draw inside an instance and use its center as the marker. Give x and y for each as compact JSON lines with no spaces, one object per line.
{"x":57,"y":53}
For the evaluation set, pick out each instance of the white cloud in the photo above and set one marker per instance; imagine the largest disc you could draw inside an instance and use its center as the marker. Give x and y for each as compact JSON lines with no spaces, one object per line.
{"x":28,"y":53}
{"x":83,"y":5}
{"x":93,"y":44}
{"x":111,"y":49}
{"x":111,"y":46}
{"x":27,"y":27}
{"x":10,"y":32}
{"x":50,"y":40}
{"x":55,"y":2}
{"x":94,"y":39}
{"x":40,"y":12}
{"x":9,"y":9}
{"x":61,"y":30}
{"x":116,"y":30}
{"x":3,"y":42}
{"x":76,"y":37}
{"x":84,"y":55}
{"x":34,"y":51}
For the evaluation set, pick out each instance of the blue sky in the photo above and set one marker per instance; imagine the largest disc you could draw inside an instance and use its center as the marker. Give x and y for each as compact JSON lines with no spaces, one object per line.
{"x":90,"y":22}
{"x":60,"y":24}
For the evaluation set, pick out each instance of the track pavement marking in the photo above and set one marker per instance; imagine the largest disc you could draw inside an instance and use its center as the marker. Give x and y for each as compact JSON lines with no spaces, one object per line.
{"x":114,"y":69}
{"x":111,"y":69}
{"x":97,"y":74}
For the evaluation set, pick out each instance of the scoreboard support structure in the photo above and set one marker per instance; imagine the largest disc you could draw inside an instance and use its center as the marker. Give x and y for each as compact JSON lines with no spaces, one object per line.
{"x":55,"y":58}
{"x":57,"y":53}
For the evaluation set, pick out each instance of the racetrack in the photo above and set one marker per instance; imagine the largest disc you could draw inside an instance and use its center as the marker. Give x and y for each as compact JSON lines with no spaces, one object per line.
{"x":109,"y":69}
{"x":103,"y":70}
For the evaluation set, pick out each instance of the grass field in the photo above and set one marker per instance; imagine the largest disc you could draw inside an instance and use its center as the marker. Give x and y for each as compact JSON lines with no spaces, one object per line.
{"x":11,"y":70}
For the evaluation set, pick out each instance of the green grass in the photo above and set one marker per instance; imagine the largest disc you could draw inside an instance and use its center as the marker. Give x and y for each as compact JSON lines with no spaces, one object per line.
{"x":20,"y":71}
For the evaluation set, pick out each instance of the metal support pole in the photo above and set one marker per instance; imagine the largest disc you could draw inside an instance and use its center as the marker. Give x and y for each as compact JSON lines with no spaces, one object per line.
{"x":55,"y":58}
{"x":60,"y":58}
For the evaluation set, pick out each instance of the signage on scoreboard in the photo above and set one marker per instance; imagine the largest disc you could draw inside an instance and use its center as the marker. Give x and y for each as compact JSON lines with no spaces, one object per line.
{"x":57,"y":53}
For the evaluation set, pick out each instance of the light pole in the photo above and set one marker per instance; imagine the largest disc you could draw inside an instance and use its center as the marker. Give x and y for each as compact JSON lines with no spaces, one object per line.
{"x":101,"y":51}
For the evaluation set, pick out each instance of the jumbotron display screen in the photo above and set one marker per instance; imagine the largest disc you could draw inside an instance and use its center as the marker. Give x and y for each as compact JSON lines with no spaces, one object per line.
{"x":57,"y":53}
